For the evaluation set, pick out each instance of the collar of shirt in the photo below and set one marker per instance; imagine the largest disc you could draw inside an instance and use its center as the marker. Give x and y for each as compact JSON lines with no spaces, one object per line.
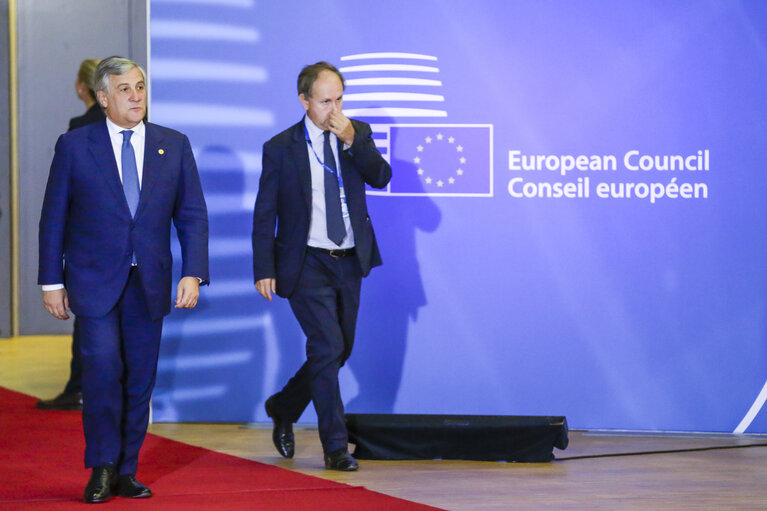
{"x":137,"y":141}
{"x":316,"y":135}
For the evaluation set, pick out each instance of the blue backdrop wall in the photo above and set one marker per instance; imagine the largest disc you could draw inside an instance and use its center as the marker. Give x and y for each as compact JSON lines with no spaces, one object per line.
{"x":541,"y":257}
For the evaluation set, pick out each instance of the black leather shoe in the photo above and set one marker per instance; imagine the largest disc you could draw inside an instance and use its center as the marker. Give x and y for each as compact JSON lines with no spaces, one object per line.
{"x":129,"y":487}
{"x":282,"y":434}
{"x":99,"y":488}
{"x":341,"y":460}
{"x":64,"y":401}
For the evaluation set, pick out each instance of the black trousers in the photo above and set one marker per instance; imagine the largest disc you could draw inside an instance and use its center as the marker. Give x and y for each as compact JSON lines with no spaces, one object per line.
{"x":325,"y":302}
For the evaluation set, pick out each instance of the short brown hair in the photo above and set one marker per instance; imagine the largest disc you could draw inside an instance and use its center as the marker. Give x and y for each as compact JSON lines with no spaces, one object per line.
{"x":309,"y":74}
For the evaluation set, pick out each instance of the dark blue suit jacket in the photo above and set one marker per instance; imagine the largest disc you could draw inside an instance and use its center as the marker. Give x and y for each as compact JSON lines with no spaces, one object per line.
{"x":86,"y":222}
{"x":285,"y":202}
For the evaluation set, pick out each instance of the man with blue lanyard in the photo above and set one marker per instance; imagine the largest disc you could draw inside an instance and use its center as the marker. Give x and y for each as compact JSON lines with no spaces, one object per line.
{"x":313,"y":242}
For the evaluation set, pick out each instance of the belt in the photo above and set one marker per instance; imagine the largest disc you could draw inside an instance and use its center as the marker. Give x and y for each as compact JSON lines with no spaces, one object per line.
{"x":335,"y":253}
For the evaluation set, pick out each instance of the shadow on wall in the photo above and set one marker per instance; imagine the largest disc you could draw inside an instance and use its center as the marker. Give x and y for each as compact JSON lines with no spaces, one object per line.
{"x":393,"y":293}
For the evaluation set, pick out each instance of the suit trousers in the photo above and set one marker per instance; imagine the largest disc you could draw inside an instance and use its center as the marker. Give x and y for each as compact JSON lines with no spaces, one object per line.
{"x":74,"y":384}
{"x":325,"y":302}
{"x":119,"y":355}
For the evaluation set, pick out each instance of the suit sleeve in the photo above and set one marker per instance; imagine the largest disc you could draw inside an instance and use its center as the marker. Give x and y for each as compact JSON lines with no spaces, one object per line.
{"x":368,"y":161}
{"x":53,"y":218}
{"x":190,"y":217}
{"x":265,"y":218}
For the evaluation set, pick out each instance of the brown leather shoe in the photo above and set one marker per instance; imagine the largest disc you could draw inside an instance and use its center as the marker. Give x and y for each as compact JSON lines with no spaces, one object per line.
{"x":64,"y":401}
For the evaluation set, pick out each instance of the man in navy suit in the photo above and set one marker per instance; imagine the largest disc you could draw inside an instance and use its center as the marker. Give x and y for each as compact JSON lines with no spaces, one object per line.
{"x":312,"y":189}
{"x":113,"y":190}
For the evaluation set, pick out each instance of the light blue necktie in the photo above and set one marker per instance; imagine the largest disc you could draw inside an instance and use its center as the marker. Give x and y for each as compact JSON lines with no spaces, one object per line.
{"x":130,"y":173}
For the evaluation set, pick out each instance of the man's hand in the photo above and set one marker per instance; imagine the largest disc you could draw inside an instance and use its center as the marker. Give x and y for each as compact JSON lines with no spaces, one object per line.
{"x":187,"y":293}
{"x":57,"y":303}
{"x":342,"y":127}
{"x":266,"y":287}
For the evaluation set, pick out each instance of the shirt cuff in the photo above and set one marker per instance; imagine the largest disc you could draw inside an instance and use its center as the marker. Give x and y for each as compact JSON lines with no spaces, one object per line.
{"x":52,"y":287}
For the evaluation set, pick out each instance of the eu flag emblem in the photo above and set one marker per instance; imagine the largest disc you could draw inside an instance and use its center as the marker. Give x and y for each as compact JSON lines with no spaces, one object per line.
{"x":440,"y":159}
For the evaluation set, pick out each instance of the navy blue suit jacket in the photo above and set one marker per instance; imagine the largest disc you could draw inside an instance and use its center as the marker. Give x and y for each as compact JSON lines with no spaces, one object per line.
{"x":284,"y":202}
{"x":86,"y":223}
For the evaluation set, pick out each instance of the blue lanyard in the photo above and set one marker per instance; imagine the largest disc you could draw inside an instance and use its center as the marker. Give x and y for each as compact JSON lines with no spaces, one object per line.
{"x":309,"y":141}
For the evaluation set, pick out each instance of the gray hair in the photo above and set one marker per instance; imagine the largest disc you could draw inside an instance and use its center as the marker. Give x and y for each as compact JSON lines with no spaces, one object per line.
{"x":113,"y":66}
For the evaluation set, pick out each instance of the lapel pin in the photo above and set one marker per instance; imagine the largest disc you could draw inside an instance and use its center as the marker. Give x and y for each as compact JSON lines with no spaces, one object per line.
{"x":161,"y":151}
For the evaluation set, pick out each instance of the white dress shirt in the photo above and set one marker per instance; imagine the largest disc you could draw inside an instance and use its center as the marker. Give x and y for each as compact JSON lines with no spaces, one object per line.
{"x":318,"y":229}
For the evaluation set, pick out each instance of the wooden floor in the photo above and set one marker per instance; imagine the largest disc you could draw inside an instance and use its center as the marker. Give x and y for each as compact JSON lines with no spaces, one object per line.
{"x":594,"y":473}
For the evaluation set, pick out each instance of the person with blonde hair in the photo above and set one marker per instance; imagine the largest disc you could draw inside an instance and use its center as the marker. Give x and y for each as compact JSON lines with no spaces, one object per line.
{"x":86,"y":92}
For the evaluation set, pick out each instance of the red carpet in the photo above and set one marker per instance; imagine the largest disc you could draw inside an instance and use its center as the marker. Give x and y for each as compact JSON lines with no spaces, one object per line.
{"x":41,"y":468}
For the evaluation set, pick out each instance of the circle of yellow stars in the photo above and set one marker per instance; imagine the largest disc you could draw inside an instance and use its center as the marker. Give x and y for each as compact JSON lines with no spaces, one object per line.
{"x":436,"y":139}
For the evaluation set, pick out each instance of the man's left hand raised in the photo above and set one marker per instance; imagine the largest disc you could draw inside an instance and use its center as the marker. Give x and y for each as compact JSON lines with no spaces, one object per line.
{"x":342,"y":127}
